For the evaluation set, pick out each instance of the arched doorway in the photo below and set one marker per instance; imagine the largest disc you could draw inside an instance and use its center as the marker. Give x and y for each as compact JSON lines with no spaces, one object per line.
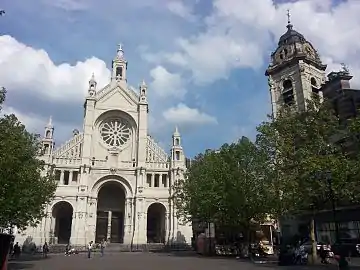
{"x":62,"y":212}
{"x":156,"y":223}
{"x":110,"y":213}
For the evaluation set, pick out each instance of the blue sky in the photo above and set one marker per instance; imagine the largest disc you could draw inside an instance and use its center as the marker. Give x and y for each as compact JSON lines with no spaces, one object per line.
{"x":203,"y":60}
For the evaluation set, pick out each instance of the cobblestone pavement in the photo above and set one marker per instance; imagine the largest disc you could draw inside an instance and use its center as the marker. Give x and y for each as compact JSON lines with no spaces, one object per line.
{"x":130,"y":261}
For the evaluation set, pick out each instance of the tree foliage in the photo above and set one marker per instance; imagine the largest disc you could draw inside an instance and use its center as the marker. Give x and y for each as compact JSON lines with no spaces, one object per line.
{"x":304,"y":151}
{"x":24,"y":189}
{"x":226,"y":187}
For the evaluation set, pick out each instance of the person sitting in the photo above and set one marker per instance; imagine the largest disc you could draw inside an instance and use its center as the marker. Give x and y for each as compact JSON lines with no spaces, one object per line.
{"x":67,"y":250}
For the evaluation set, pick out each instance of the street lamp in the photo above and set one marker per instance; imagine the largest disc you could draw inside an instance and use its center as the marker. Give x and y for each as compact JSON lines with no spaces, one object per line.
{"x":328,"y":178}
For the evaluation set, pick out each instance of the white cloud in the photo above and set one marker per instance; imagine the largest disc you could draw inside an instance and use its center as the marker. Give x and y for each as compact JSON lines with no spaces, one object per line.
{"x":179,"y":8}
{"x":68,"y":5}
{"x":23,"y":68}
{"x":32,"y":122}
{"x":166,"y":84}
{"x":36,"y":124}
{"x":239,"y":34}
{"x":185,"y":116}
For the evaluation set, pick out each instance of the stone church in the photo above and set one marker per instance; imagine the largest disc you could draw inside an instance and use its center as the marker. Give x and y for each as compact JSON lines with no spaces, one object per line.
{"x":114,"y":180}
{"x":294,"y":73}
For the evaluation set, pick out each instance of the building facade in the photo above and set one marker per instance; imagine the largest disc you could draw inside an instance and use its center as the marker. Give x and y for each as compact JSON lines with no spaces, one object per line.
{"x":114,"y":180}
{"x":294,"y":73}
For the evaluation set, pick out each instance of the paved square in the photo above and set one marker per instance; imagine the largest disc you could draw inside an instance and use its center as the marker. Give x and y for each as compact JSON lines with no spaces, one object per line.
{"x":130,"y":261}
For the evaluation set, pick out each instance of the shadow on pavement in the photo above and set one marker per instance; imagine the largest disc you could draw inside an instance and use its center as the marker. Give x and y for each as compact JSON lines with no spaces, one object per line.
{"x":24,"y":262}
{"x":193,"y":254}
{"x":29,"y":258}
{"x":12,"y":265}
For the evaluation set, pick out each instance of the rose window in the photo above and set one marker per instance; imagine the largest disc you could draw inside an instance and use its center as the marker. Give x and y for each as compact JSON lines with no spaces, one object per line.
{"x":115,"y":132}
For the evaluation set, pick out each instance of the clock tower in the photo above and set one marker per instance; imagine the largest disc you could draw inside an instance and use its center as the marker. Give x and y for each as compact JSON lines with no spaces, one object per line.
{"x":295,"y":71}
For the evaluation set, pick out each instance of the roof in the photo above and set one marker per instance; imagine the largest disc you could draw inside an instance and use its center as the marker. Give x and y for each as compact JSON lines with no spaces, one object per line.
{"x":291,"y":36}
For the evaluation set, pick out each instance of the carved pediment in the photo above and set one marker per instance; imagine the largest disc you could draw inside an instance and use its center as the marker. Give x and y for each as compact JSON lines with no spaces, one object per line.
{"x":113,"y":96}
{"x":70,"y":149}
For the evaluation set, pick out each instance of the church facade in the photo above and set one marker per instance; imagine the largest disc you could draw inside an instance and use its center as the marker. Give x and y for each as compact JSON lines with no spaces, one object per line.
{"x":114,"y":180}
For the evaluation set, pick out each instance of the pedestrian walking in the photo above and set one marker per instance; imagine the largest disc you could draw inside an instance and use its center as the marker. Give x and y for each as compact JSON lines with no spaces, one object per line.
{"x":17,"y":250}
{"x":102,"y":247}
{"x":11,"y":248}
{"x":90,"y":246}
{"x":45,"y":250}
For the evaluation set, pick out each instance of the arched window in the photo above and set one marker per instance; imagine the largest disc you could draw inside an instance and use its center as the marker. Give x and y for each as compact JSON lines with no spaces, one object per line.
{"x":119,"y":72}
{"x":177,"y":141}
{"x":288,"y":93}
{"x":314,"y":85}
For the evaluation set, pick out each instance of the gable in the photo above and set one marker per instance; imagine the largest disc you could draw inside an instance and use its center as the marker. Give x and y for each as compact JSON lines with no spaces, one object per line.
{"x":154,"y":153}
{"x":117,"y":97}
{"x":71,"y":148}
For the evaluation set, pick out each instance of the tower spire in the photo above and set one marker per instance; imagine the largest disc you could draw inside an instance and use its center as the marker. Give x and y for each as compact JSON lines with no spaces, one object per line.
{"x":119,"y":65}
{"x":49,"y":125}
{"x":92,"y":85}
{"x":289,"y":25}
{"x":120,"y":51}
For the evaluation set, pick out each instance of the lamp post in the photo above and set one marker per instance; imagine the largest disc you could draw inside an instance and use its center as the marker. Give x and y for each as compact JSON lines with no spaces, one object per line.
{"x":328,"y":178}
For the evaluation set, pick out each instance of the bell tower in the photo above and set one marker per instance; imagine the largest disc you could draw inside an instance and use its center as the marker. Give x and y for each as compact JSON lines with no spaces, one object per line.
{"x":295,"y":71}
{"x":48,"y":142}
{"x":119,"y":66}
{"x":177,"y":153}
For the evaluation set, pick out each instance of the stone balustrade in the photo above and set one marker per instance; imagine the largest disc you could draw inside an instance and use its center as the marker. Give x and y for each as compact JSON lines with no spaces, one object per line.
{"x":59,"y":161}
{"x":157,"y":165}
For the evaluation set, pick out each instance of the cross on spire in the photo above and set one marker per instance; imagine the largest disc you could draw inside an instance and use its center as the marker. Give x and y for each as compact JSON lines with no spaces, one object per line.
{"x":289,"y":25}
{"x":288,"y":16}
{"x":120,"y":51}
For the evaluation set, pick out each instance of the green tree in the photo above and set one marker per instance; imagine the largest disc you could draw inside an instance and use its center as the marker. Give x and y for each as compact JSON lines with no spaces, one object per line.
{"x":302,"y":147}
{"x":225,"y":187}
{"x":24,"y":187}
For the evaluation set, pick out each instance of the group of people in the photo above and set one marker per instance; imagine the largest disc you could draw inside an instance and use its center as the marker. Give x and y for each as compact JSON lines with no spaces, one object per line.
{"x":15,"y":250}
{"x":90,"y":247}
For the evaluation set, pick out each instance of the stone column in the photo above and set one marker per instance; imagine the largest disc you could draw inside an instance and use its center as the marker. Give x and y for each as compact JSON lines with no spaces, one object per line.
{"x":109,"y":226}
{"x":152,"y":180}
{"x":144,"y":226}
{"x":73,"y":235}
{"x":82,"y":230}
{"x":161,"y":182}
{"x":167,"y":227}
{"x":70,"y":177}
{"x":47,"y":227}
{"x":139,"y":224}
{"x":52,"y":231}
{"x":62,"y":177}
{"x":128,"y":221}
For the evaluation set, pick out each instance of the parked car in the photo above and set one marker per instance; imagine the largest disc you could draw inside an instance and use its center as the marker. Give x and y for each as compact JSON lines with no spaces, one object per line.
{"x":350,"y":247}
{"x":308,"y":247}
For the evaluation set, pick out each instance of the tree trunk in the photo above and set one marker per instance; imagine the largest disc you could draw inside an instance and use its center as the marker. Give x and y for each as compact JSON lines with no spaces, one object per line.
{"x":313,"y":241}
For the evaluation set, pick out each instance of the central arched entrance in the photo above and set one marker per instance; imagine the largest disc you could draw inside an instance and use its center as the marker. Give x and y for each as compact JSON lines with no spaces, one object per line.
{"x":62,"y":212}
{"x":156,"y":223}
{"x":110,"y":213}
